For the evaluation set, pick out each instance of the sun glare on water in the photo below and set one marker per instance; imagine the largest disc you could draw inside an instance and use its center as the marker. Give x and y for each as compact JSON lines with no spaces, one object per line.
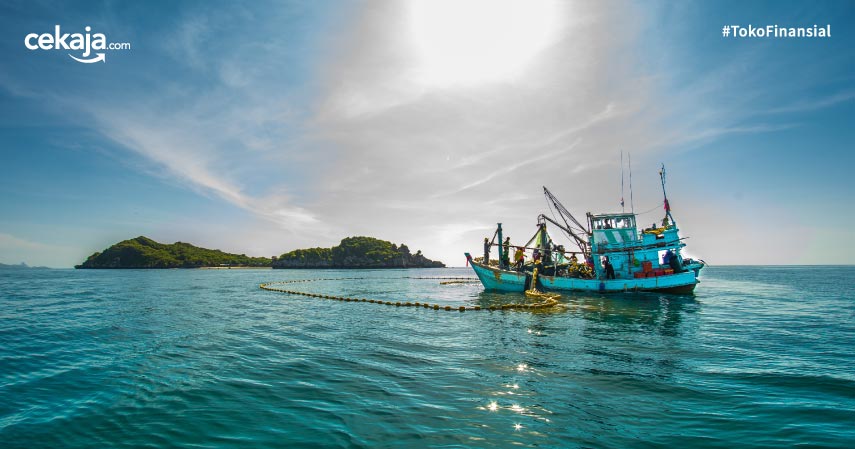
{"x":465,"y":42}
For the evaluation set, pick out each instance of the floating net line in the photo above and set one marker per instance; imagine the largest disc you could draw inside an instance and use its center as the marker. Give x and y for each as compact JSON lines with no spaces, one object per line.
{"x":546,"y":301}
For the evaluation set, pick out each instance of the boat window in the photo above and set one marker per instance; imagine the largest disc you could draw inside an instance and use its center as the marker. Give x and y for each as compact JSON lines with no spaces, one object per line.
{"x":614,"y":222}
{"x":625,"y":222}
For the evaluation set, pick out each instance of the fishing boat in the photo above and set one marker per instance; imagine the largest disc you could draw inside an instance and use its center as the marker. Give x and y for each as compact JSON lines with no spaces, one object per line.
{"x":612,"y":256}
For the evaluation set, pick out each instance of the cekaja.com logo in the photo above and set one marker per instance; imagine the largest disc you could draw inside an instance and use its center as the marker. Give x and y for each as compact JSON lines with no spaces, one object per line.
{"x":75,"y":41}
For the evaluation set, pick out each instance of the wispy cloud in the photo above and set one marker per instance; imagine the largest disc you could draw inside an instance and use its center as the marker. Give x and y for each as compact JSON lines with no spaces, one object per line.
{"x":326,"y":130}
{"x":813,"y":104}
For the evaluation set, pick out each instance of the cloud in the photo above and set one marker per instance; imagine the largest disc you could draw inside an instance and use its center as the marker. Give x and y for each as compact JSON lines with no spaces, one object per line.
{"x":443,"y":163}
{"x":192,"y":150}
{"x":324,"y":130}
{"x":813,"y":104}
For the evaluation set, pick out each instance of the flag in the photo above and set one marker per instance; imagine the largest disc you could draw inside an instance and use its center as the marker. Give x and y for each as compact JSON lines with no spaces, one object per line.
{"x":667,"y":206}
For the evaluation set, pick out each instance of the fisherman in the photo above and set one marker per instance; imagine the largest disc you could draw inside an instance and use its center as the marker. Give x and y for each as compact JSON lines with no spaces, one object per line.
{"x":558,"y":256}
{"x":673,"y":261}
{"x":547,"y":254}
{"x":506,"y":255}
{"x":538,"y":265}
{"x":610,"y":270}
{"x":486,"y":251}
{"x":519,"y":258}
{"x":573,"y":259}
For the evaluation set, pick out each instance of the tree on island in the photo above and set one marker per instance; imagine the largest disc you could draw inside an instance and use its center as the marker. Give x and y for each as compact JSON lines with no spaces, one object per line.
{"x":356,"y":252}
{"x":352,"y":252}
{"x":143,"y":252}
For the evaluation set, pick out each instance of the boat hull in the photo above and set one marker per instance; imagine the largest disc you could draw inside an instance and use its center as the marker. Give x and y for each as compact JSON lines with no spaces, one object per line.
{"x":504,"y":280}
{"x":499,"y":280}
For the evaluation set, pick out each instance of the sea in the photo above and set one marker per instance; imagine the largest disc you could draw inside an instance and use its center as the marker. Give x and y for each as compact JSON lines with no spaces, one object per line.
{"x":758,"y":357}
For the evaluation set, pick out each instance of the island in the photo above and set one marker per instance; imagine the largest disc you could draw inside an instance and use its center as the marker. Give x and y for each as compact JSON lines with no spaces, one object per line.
{"x":143,"y":252}
{"x":20,"y":266}
{"x":356,"y":252}
{"x":352,"y":252}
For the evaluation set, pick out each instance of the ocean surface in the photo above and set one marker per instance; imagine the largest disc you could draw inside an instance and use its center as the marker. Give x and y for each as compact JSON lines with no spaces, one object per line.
{"x":759,"y":357}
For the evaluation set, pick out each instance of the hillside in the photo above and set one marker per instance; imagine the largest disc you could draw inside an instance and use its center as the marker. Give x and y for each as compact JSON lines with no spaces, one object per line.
{"x":143,"y":252}
{"x":356,"y":252}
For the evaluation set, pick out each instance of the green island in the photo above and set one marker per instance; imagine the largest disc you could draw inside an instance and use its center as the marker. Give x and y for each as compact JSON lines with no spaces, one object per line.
{"x":143,"y":252}
{"x":352,"y":252}
{"x":356,"y":252}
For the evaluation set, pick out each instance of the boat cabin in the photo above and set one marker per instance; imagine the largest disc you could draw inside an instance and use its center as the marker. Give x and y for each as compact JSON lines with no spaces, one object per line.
{"x":613,"y":231}
{"x":616,"y":236}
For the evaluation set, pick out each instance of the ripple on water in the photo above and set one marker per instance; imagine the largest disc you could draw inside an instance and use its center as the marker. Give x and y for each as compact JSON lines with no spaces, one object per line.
{"x":203,"y":358}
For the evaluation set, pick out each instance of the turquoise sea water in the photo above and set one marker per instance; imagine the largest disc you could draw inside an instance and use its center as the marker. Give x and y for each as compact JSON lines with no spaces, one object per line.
{"x":758,"y":357}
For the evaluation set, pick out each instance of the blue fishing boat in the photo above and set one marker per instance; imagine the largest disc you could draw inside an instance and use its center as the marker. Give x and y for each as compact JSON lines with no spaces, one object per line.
{"x":612,"y":256}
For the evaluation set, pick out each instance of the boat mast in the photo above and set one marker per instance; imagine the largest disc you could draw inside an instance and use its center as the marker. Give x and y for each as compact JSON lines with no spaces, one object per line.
{"x":665,"y":196}
{"x":621,"y":182}
{"x":631,"y":204}
{"x":501,"y":253}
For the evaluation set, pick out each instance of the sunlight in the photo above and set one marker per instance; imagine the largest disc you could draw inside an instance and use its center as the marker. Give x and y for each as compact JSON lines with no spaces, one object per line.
{"x":464,"y":42}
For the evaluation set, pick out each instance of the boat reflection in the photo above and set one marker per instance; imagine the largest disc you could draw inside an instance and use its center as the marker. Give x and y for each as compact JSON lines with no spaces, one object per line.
{"x":659,"y":312}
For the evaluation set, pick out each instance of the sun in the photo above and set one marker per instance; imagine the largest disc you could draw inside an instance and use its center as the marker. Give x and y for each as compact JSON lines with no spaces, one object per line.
{"x":466,"y":42}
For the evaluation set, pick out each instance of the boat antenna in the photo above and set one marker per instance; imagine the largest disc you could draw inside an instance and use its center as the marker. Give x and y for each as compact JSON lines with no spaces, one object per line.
{"x":621,"y":182}
{"x":631,"y":205}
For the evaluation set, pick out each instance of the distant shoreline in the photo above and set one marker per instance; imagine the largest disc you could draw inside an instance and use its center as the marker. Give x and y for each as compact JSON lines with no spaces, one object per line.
{"x":230,"y":268}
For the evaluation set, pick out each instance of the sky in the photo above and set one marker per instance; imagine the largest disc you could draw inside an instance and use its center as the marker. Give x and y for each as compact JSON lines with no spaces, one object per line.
{"x":263,"y":127}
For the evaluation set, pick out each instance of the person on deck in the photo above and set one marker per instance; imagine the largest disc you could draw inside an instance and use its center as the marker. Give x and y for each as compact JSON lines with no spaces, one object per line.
{"x":610,"y":270}
{"x":486,"y":251}
{"x":506,"y":255}
{"x":547,"y":254}
{"x":673,"y":261}
{"x":519,"y":259}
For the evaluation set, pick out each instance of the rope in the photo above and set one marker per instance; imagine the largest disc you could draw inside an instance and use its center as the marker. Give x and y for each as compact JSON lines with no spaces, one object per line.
{"x":650,"y":210}
{"x":547,"y":303}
